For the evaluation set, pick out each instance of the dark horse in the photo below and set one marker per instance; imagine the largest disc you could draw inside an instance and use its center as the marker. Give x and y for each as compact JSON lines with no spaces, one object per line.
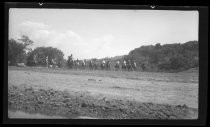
{"x":129,"y":65}
{"x":117,"y":65}
{"x":95,"y":66}
{"x":91,"y":64}
{"x":108,"y":65}
{"x":102,"y":65}
{"x":76,"y":63}
{"x":134,"y":66}
{"x":83,"y":64}
{"x":70,"y":62}
{"x":124,"y":65}
{"x":143,"y":66}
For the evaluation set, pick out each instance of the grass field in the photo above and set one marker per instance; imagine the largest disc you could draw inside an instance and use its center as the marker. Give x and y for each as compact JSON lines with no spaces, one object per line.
{"x":144,"y":87}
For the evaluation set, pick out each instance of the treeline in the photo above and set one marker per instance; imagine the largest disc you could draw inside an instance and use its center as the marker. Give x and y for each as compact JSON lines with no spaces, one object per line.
{"x":41,"y":53}
{"x":167,"y":57}
{"x":19,"y":51}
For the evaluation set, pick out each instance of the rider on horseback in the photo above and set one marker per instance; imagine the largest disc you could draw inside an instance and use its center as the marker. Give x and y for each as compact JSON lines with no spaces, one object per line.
{"x":124,"y":65}
{"x":108,"y":65}
{"x":70,"y":61}
{"x":117,"y":65}
{"x":84,"y":63}
{"x":35,"y":59}
{"x":129,"y":65}
{"x":103,"y":64}
{"x":134,"y":64}
{"x":91,"y":64}
{"x":118,"y":62}
{"x":46,"y":61}
{"x":77,"y":63}
{"x":53,"y":63}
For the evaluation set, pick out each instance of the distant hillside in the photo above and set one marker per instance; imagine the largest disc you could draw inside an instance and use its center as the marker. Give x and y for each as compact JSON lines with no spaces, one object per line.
{"x":167,"y":57}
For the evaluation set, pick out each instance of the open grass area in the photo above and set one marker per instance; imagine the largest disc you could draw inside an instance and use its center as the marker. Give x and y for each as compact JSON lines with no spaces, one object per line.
{"x":174,"y":89}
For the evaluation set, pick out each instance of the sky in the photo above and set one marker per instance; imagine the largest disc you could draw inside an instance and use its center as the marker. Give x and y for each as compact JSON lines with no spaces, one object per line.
{"x":99,"y":33}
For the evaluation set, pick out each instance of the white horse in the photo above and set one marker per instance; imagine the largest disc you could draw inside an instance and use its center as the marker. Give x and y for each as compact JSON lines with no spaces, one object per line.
{"x":21,"y":64}
{"x":54,"y":63}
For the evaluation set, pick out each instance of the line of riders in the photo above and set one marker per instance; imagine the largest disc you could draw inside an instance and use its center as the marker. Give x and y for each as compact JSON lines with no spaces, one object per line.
{"x":94,"y":65}
{"x":103,"y":65}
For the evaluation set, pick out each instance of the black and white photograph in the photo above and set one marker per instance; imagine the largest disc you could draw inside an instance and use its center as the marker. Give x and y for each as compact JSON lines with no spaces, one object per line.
{"x":78,"y":63}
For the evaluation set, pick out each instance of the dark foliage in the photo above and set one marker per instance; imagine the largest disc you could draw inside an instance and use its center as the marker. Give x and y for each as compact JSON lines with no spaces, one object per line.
{"x":42,"y":53}
{"x":166,"y":57}
{"x":18,"y":50}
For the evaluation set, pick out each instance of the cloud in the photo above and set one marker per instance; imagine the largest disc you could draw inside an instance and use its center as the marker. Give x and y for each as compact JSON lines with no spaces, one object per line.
{"x":69,"y":41}
{"x":33,"y":25}
{"x":102,"y":46}
{"x":38,"y":32}
{"x":74,"y":35}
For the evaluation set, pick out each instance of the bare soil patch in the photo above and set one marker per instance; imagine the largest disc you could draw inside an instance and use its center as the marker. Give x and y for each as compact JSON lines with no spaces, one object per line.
{"x":96,"y":94}
{"x":74,"y":105}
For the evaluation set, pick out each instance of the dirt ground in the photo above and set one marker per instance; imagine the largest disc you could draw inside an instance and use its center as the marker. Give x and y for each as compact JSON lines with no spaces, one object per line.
{"x":103,"y":94}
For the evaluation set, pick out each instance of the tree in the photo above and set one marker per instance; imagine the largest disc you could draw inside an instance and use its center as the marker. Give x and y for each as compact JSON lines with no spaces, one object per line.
{"x":157,"y":46}
{"x":42,"y":52}
{"x":26,"y":41}
{"x":17,"y":50}
{"x":167,"y":57}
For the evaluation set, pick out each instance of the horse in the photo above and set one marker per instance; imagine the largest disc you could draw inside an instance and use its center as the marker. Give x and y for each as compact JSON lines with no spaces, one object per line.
{"x":21,"y":64}
{"x":91,"y":64}
{"x":103,"y":65}
{"x":76,"y":63}
{"x":54,"y":64}
{"x":47,"y":62}
{"x":117,"y":65}
{"x":124,"y":65}
{"x":107,"y":65}
{"x":35,"y":59}
{"x":134,"y":66}
{"x":129,"y":65}
{"x":143,"y":66}
{"x":83,"y":64}
{"x":70,"y":61}
{"x":95,"y":66}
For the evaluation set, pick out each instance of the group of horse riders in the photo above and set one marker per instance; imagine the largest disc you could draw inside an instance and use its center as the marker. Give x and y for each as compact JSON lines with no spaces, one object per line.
{"x":91,"y":64}
{"x":52,"y":64}
{"x":126,"y":65}
{"x":103,"y":65}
